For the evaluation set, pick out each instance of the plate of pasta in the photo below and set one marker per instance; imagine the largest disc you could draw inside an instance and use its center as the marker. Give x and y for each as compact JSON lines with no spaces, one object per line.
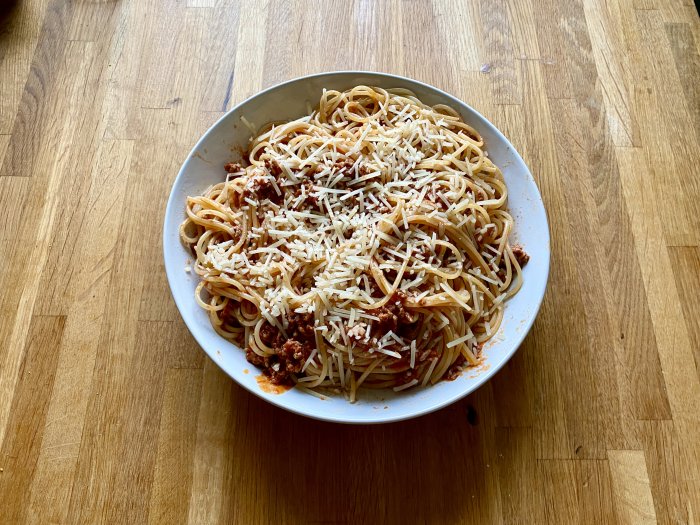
{"x":356,"y":247}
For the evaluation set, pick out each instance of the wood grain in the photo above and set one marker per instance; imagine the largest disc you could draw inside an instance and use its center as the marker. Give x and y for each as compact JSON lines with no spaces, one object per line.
{"x":110,"y":413}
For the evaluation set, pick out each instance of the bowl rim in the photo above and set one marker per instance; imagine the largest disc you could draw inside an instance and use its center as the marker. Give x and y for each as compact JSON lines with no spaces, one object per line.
{"x":382,"y":416}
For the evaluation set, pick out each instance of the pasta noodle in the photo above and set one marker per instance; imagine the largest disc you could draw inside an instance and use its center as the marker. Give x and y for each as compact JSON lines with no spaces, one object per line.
{"x":365,"y":245}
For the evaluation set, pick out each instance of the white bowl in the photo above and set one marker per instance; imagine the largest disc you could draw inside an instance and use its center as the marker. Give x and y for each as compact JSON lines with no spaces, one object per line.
{"x":223,"y":142}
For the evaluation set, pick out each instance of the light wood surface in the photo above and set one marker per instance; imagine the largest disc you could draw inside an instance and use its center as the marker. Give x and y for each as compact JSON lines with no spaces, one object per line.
{"x":110,"y":413}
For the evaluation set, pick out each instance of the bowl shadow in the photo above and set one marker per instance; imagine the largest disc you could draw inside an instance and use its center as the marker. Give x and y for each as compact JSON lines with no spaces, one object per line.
{"x":431,"y":469}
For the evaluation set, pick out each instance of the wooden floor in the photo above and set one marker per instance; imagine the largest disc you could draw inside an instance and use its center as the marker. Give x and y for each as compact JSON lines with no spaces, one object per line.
{"x":110,"y":413}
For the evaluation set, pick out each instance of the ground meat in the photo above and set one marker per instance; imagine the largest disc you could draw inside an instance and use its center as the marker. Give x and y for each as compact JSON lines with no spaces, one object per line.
{"x":273,"y":167}
{"x":262,"y":188}
{"x":374,"y":290}
{"x":388,"y":320}
{"x":309,"y":199}
{"x":289,"y":358}
{"x":343,"y":165}
{"x":291,"y":349}
{"x":255,"y":359}
{"x":396,"y":317}
{"x":236,"y":199}
{"x":232,"y":167}
{"x":520,"y":255}
{"x":425,"y":252}
{"x":405,"y":317}
{"x":364,"y":169}
{"x":290,"y":353}
{"x":293,"y":354}
{"x":236,"y":233}
{"x":271,"y":336}
{"x":399,"y":365}
{"x":301,"y":327}
{"x":453,"y":373}
{"x":456,"y":369}
{"x":277,"y":372}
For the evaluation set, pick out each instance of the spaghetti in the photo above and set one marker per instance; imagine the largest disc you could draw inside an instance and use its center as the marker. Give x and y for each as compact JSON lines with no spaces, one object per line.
{"x":364,"y":245}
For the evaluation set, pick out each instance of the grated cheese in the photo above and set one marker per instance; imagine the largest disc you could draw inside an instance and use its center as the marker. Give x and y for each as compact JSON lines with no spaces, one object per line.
{"x":386,"y":193}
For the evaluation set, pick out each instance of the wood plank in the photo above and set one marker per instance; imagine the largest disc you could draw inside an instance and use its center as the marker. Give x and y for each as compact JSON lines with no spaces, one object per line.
{"x":220,"y":56}
{"x":89,"y":285}
{"x":183,"y":350}
{"x":87,"y":215}
{"x":40,"y":100}
{"x":686,"y":263}
{"x":559,"y":487}
{"x":4,"y":143}
{"x":122,"y":97}
{"x":165,"y":24}
{"x":121,"y":428}
{"x":118,"y":348}
{"x":205,"y":500}
{"x":35,"y":232}
{"x":631,"y":486}
{"x":369,"y":17}
{"x":445,"y":489}
{"x":568,"y":65}
{"x":614,"y":247}
{"x":461,"y":22}
{"x":662,"y":454}
{"x":596,"y":499}
{"x":91,"y":21}
{"x":560,"y":313}
{"x":687,"y":63}
{"x":584,"y":373}
{"x":247,"y":71}
{"x":500,"y":61}
{"x":517,"y":411}
{"x":20,"y":449}
{"x":576,"y":491}
{"x":673,"y":342}
{"x":201,"y":3}
{"x":524,"y":28}
{"x":424,"y":64}
{"x":172,"y":479}
{"x":670,"y":122}
{"x":13,"y":194}
{"x":281,"y":62}
{"x":606,"y":34}
{"x":519,"y":477}
{"x":20,"y":28}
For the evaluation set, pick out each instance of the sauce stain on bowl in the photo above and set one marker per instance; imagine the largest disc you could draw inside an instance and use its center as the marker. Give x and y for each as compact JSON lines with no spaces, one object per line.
{"x":268,"y":387}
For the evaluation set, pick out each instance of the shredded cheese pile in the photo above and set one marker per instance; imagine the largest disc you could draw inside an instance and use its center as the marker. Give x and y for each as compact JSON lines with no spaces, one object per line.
{"x":377,"y":220}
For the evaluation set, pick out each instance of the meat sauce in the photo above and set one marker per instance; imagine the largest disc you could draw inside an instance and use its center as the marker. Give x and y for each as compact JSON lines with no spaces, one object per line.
{"x":520,"y":255}
{"x":397,"y":318}
{"x":290,"y":353}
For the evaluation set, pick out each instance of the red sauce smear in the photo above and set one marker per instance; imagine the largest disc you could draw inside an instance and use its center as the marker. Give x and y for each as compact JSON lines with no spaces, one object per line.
{"x":270,"y":388}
